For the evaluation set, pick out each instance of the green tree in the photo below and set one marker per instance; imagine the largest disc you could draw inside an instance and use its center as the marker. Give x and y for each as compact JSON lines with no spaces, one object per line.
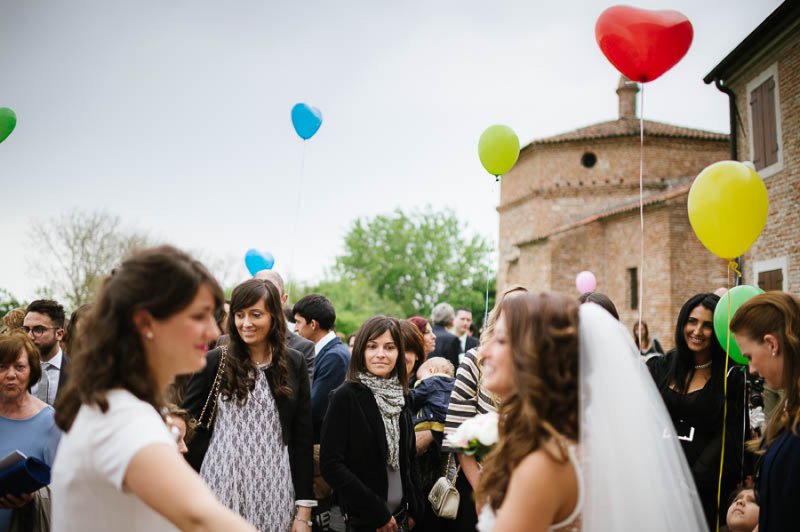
{"x":355,"y":300}
{"x":419,"y":259}
{"x":9,"y":302}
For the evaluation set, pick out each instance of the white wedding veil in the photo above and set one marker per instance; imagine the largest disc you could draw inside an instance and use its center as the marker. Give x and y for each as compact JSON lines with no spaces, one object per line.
{"x":635,"y":472}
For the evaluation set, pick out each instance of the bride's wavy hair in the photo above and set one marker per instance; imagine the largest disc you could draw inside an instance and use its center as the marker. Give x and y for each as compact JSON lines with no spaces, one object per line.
{"x":542,"y":331}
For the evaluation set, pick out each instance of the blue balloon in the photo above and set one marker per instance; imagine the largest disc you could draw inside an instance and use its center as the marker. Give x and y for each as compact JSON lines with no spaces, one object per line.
{"x":257,"y":261}
{"x":306,"y":120}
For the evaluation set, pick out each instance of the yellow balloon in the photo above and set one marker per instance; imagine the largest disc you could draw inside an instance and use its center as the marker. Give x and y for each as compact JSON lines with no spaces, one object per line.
{"x":728,"y":207}
{"x":498,"y":149}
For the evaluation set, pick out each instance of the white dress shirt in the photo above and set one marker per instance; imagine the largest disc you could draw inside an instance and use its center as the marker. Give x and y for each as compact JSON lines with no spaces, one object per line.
{"x":325,"y":340}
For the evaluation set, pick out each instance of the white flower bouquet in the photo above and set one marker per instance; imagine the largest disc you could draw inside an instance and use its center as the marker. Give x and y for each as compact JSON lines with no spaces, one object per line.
{"x":476,"y":436}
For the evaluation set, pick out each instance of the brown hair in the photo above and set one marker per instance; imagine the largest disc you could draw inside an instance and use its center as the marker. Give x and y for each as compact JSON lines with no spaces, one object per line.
{"x":369,"y":330}
{"x":413,"y":341}
{"x":176,"y":411}
{"x":240,"y":371}
{"x":778,"y":314}
{"x":13,"y":319}
{"x":10,"y":346}
{"x":162,"y":281}
{"x":543,"y":334}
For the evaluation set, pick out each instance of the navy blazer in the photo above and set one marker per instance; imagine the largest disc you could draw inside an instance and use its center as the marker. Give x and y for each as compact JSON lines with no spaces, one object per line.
{"x":330,"y":368}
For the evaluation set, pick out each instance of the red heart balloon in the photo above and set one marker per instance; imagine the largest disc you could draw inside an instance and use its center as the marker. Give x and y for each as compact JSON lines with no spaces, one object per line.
{"x":643,"y":44}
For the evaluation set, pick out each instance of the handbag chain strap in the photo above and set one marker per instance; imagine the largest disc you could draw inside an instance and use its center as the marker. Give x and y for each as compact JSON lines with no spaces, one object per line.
{"x":452,"y":481}
{"x":214,"y":392}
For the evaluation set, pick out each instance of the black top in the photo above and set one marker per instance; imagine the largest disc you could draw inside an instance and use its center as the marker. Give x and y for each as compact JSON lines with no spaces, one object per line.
{"x":447,"y":345}
{"x":697,"y":417}
{"x":779,"y":485}
{"x":294,"y":413}
{"x":353,"y":454}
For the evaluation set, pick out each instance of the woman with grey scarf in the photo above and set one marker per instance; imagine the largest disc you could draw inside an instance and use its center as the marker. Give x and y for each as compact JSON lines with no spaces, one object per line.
{"x":367,"y":449}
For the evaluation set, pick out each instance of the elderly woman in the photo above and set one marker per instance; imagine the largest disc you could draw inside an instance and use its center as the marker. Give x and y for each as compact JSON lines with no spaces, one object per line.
{"x":27,"y":424}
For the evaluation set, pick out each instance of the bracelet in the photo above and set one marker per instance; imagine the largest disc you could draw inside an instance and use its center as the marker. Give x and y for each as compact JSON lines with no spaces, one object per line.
{"x":306,"y":503}
{"x":309,"y":523}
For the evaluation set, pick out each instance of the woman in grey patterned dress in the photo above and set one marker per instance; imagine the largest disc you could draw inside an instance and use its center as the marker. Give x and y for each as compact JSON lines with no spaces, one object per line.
{"x":259,"y":459}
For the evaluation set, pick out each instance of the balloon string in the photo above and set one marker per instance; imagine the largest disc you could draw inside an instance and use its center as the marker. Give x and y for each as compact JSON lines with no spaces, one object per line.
{"x":290,"y":276}
{"x":731,"y":267}
{"x":488,"y":269}
{"x":641,"y":212}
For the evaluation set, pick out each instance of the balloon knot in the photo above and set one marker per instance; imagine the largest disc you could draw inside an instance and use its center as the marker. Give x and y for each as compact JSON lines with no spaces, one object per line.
{"x":735,"y":267}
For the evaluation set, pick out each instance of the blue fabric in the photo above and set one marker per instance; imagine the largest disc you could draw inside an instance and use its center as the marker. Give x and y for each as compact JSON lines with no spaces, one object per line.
{"x":430,"y":399}
{"x":36,"y":437}
{"x":330,"y":367}
{"x":779,"y":485}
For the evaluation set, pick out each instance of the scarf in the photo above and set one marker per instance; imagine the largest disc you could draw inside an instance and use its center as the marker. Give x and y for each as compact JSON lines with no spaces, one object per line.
{"x":389,"y":396}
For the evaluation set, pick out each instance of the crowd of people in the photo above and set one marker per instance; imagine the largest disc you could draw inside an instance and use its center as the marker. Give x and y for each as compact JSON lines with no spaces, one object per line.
{"x":161,"y":405}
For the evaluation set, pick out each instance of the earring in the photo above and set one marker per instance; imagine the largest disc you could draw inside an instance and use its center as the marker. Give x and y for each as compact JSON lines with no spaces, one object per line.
{"x":774,"y":353}
{"x":149,"y":336}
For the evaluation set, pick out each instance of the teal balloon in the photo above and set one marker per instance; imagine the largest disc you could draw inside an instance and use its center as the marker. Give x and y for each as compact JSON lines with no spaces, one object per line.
{"x":8,"y":121}
{"x":306,"y":120}
{"x":738,"y":296}
{"x":257,"y":261}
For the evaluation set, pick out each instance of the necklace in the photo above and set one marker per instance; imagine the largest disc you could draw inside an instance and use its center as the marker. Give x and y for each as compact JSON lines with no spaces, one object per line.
{"x":704,"y":366}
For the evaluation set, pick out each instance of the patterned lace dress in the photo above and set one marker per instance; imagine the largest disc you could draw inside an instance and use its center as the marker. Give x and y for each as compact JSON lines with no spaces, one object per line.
{"x":247,"y":463}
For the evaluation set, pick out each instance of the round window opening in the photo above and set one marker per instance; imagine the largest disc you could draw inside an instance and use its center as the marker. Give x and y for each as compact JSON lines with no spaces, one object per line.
{"x":589,"y":159}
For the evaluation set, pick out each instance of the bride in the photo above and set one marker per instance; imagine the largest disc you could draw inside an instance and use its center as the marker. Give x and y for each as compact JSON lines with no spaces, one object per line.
{"x":585,"y":441}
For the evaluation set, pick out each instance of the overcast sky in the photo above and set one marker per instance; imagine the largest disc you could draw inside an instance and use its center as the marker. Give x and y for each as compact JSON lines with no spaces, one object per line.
{"x":174,"y":114}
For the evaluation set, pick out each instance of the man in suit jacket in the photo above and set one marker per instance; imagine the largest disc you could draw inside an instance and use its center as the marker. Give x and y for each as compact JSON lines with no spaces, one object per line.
{"x":44,"y":325}
{"x":461,"y":328}
{"x":314,"y":320}
{"x":295,"y":341}
{"x":447,"y":344}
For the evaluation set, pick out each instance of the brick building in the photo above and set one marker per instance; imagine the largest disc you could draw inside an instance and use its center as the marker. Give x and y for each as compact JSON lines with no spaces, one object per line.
{"x":571,"y":203}
{"x":762,"y":79}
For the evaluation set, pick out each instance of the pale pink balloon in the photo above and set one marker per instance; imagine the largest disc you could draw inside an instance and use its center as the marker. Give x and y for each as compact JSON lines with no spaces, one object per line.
{"x":585,"y":282}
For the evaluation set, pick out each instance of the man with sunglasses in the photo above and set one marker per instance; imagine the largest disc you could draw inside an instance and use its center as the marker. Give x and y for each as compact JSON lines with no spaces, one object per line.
{"x":44,"y":325}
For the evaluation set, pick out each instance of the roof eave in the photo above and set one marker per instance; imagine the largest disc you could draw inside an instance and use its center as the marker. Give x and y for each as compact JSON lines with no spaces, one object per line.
{"x":784,"y":16}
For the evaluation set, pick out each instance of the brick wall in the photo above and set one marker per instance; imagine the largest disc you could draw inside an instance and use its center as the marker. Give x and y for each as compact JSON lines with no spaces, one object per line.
{"x":781,"y":237}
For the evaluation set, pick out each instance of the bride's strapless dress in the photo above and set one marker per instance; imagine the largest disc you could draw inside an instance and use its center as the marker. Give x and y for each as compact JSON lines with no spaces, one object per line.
{"x":487,"y":517}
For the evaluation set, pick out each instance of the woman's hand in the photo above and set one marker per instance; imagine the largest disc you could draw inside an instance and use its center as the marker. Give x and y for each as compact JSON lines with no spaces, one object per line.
{"x":411,"y":522}
{"x":303,"y":518}
{"x":15,"y":501}
{"x":391,"y":526}
{"x":424,"y":440}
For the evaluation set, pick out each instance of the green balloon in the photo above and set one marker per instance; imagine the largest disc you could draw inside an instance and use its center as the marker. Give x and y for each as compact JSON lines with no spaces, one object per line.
{"x":498,"y":149}
{"x":738,"y":296}
{"x":8,"y":121}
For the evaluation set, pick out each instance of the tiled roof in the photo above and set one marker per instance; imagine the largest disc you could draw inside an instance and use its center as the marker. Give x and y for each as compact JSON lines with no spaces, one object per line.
{"x":629,"y":127}
{"x":628,"y":206}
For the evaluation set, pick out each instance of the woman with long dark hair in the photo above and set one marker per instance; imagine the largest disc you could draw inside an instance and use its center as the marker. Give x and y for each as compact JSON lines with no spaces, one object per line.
{"x":254,"y":398}
{"x":118,"y":466}
{"x":691,"y":379}
{"x":367,"y":451}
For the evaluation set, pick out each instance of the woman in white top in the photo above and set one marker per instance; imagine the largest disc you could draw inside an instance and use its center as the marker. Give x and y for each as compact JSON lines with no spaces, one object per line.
{"x":585,"y":441}
{"x":118,"y":466}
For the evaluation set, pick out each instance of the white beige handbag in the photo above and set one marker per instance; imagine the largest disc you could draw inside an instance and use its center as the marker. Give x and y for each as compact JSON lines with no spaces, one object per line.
{"x":444,"y":496}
